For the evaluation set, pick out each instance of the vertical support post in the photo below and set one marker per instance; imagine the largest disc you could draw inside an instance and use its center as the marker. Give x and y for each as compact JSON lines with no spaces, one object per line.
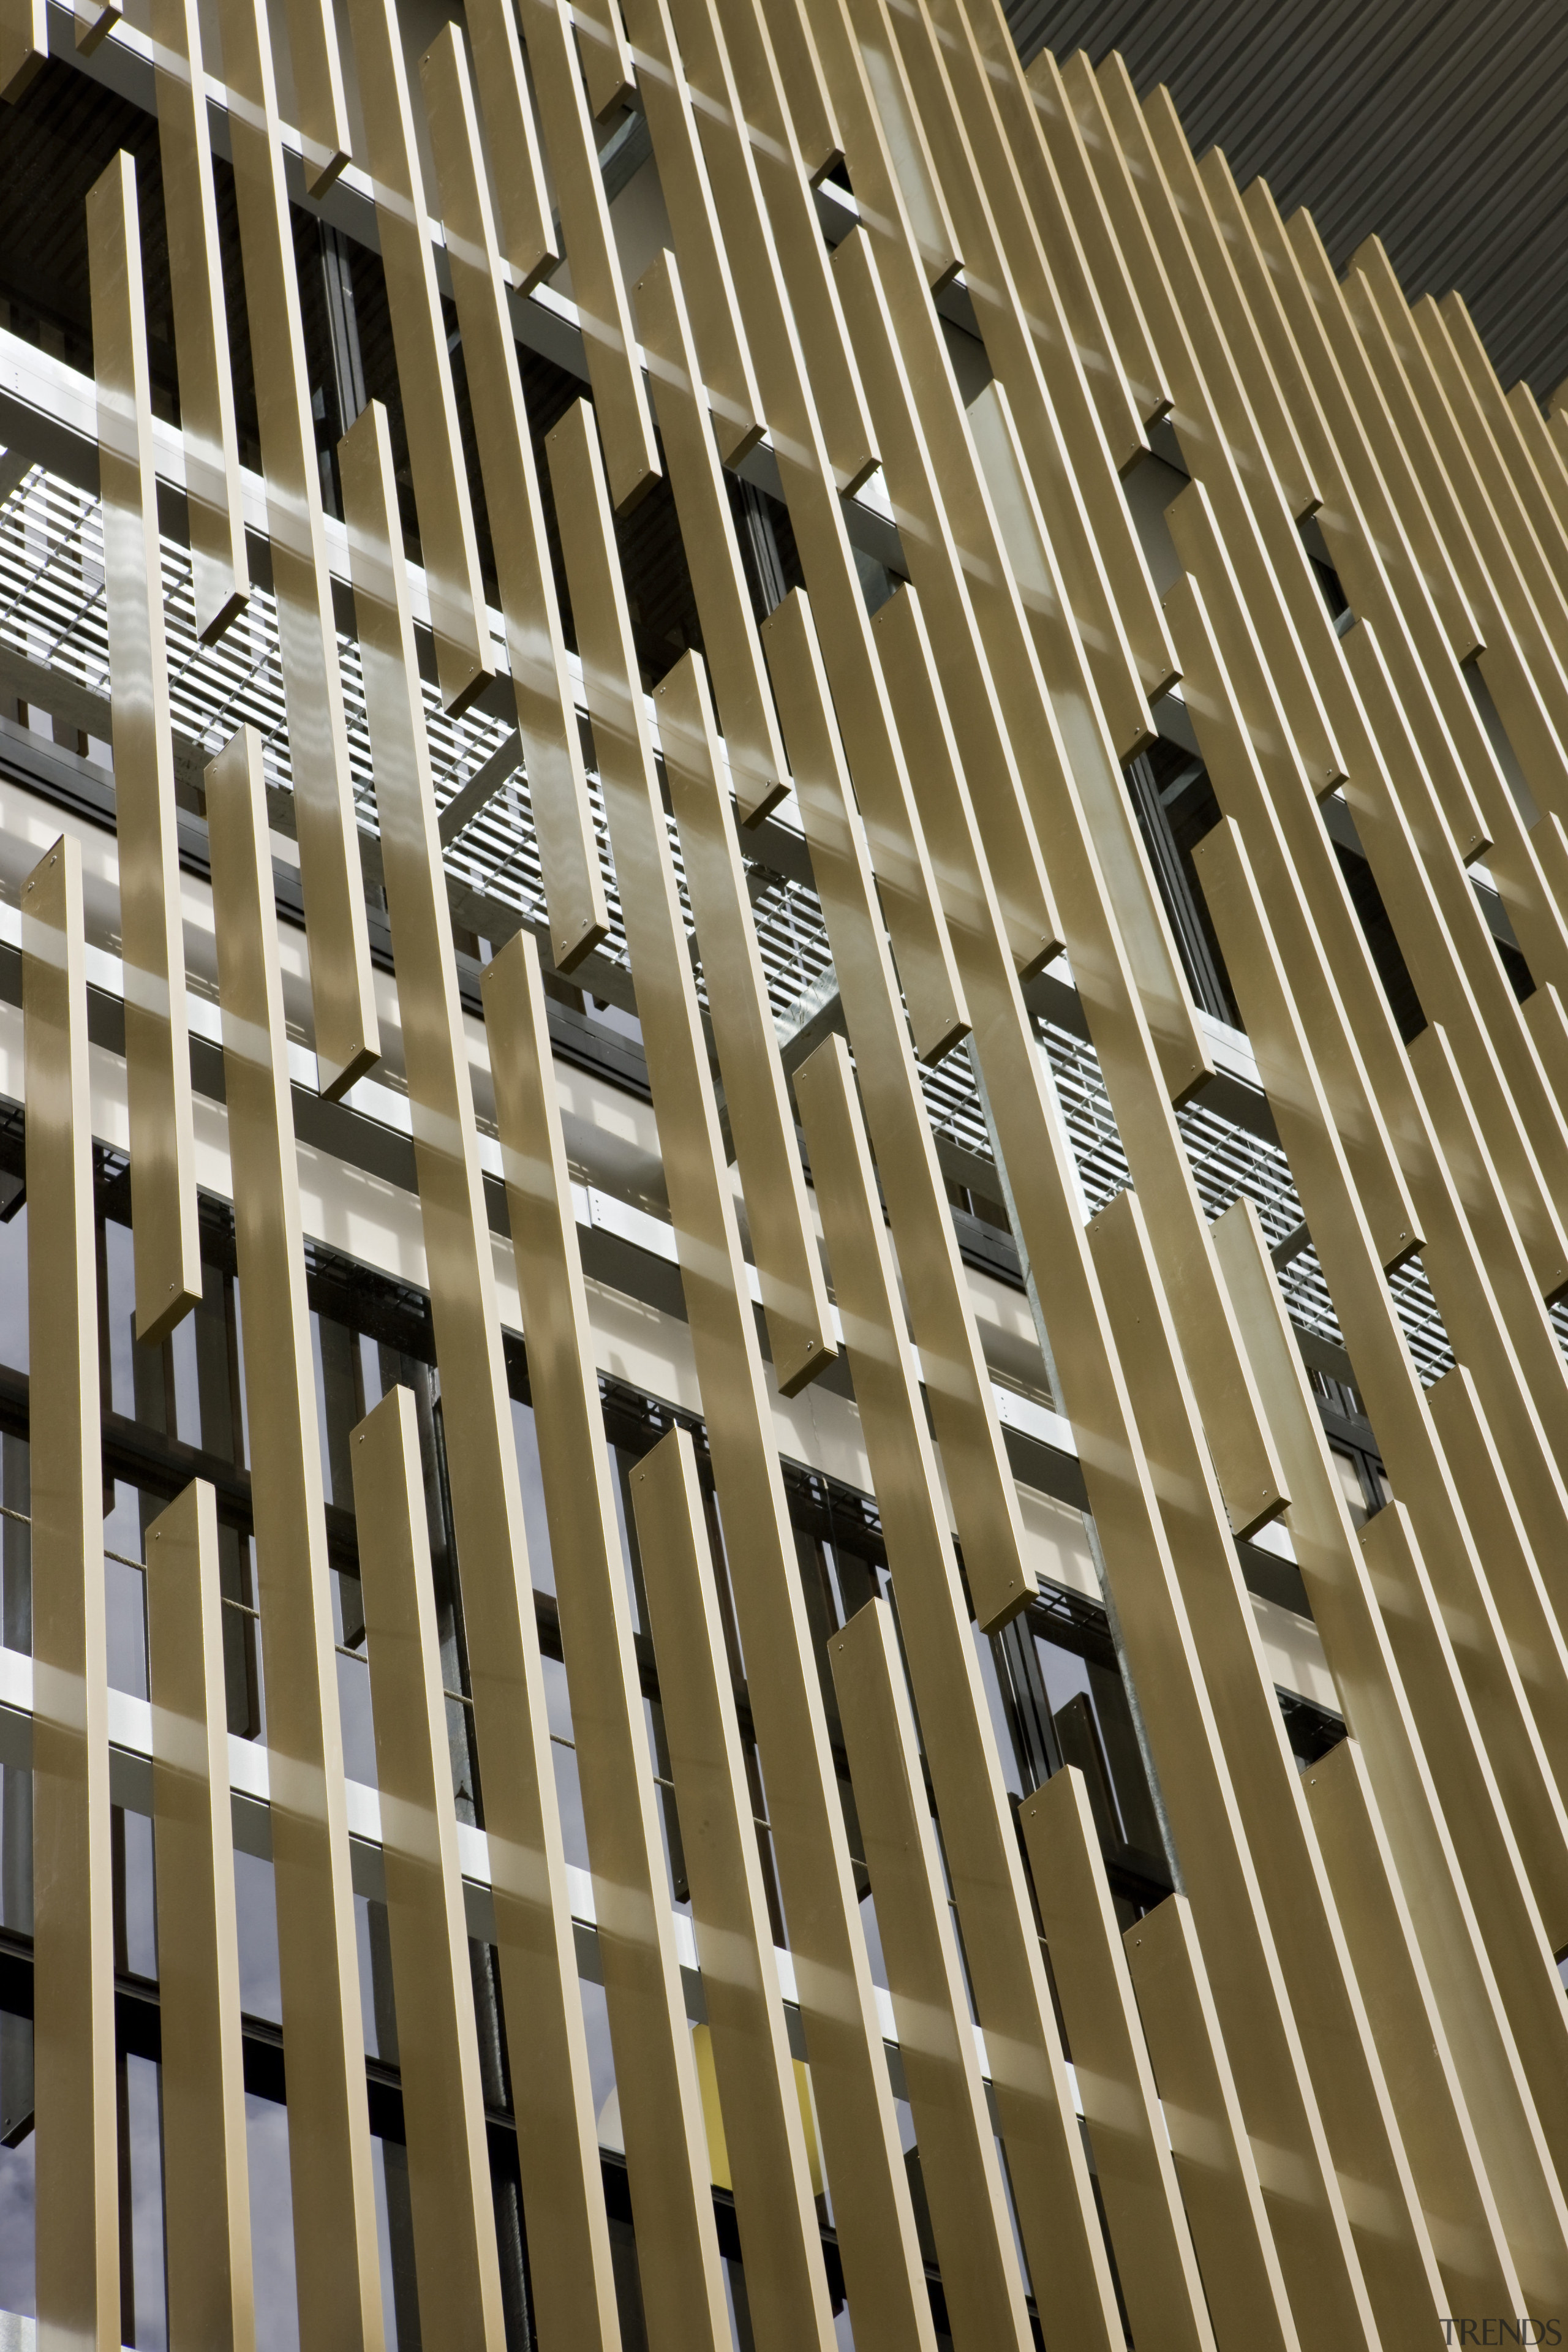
{"x":438,"y":2046}
{"x":77,"y":2165}
{"x":337,"y":2267}
{"x":759,"y":2083}
{"x":206,"y":2209}
{"x":157,"y":1045}
{"x":959,"y":2164}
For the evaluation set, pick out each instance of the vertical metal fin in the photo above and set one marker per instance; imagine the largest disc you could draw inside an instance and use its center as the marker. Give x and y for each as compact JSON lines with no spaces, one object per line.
{"x":542,"y":686}
{"x":459,"y":620}
{"x":347,"y":1038}
{"x":795,"y":1297}
{"x":954,"y":2143}
{"x":1052,"y":2193}
{"x":76,"y":2166}
{"x":631,"y":448}
{"x":214,"y":502}
{"x":759,"y":2086}
{"x":1155,"y":2261}
{"x":157,"y":1047}
{"x":337,"y":2269}
{"x":437,"y":2047}
{"x":867,"y":2180}
{"x":206,"y":2210}
{"x":563,"y":2198}
{"x":656,"y":2079}
{"x":1200,"y":2112}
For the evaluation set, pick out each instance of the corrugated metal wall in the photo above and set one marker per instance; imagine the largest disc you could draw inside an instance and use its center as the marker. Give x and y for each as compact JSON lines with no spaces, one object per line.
{"x":1442,"y":126}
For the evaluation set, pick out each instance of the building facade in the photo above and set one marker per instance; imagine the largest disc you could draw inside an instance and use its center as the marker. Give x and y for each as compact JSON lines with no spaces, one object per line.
{"x":785,"y":1521}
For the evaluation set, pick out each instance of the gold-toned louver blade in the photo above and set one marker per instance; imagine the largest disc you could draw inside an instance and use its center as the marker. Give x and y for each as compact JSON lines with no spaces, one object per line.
{"x":330,"y":2160}
{"x":763,"y":2112}
{"x":533,"y":1933}
{"x":77,"y":2255}
{"x":348,"y":1039}
{"x":206,"y":2167}
{"x":157,"y":1044}
{"x":972,"y":574}
{"x":437,"y":2049}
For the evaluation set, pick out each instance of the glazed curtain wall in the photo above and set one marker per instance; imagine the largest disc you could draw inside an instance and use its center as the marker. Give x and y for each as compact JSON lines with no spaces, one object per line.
{"x":1146,"y":471}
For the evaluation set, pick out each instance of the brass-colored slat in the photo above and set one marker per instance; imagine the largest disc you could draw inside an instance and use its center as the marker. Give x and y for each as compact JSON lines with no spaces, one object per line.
{"x":1073,"y":457}
{"x":903,"y":119}
{"x":655,"y":2074}
{"x":24,"y":46}
{"x":866,"y":2176}
{"x":567,"y":2228}
{"x":536,"y":651}
{"x":759,"y":773}
{"x":1201,"y":2115}
{"x":607,"y":66}
{"x":1433,"y":909}
{"x":1049,"y":2180}
{"x":77,"y":2204}
{"x":1524,"y":1605}
{"x":347,"y":1038}
{"x":1387,"y":1380}
{"x":464,"y":662}
{"x":1338,"y":380}
{"x":979,"y":1479}
{"x":795,"y":1297}
{"x":982,"y":681}
{"x":1087,"y":1382}
{"x":1021,"y":177}
{"x":1214,"y":430}
{"x":714,"y":323}
{"x":598,"y":288}
{"x":1385,"y":1372}
{"x":1217,"y":424}
{"x":804,"y":418}
{"x":957,"y":2152}
{"x":1457,"y":1862}
{"x":528,"y":236}
{"x":1084,"y":204}
{"x":1397,"y":1988}
{"x":1107,"y":814}
{"x":1246,"y":745}
{"x":206,"y":2210}
{"x":1388,"y":1543}
{"x":778,"y":257}
{"x":1370,"y":2160}
{"x":786,"y":2285}
{"x":1237,"y":333}
{"x":1392,"y":562}
{"x":219,"y":565}
{"x":1518,"y":664}
{"x":1493,"y":1310}
{"x":1155,"y":2262}
{"x":921,"y":677}
{"x":1249,"y":1475}
{"x":320,"y":107}
{"x":1464,"y":768}
{"x":157,"y":1047}
{"x":1527,"y":1392}
{"x":336,"y":2265}
{"x":1538,"y":578}
{"x":1076,"y":420}
{"x":455,"y":2256}
{"x":804,"y":87}
{"x":1539,"y":458}
{"x":1506,"y":422}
